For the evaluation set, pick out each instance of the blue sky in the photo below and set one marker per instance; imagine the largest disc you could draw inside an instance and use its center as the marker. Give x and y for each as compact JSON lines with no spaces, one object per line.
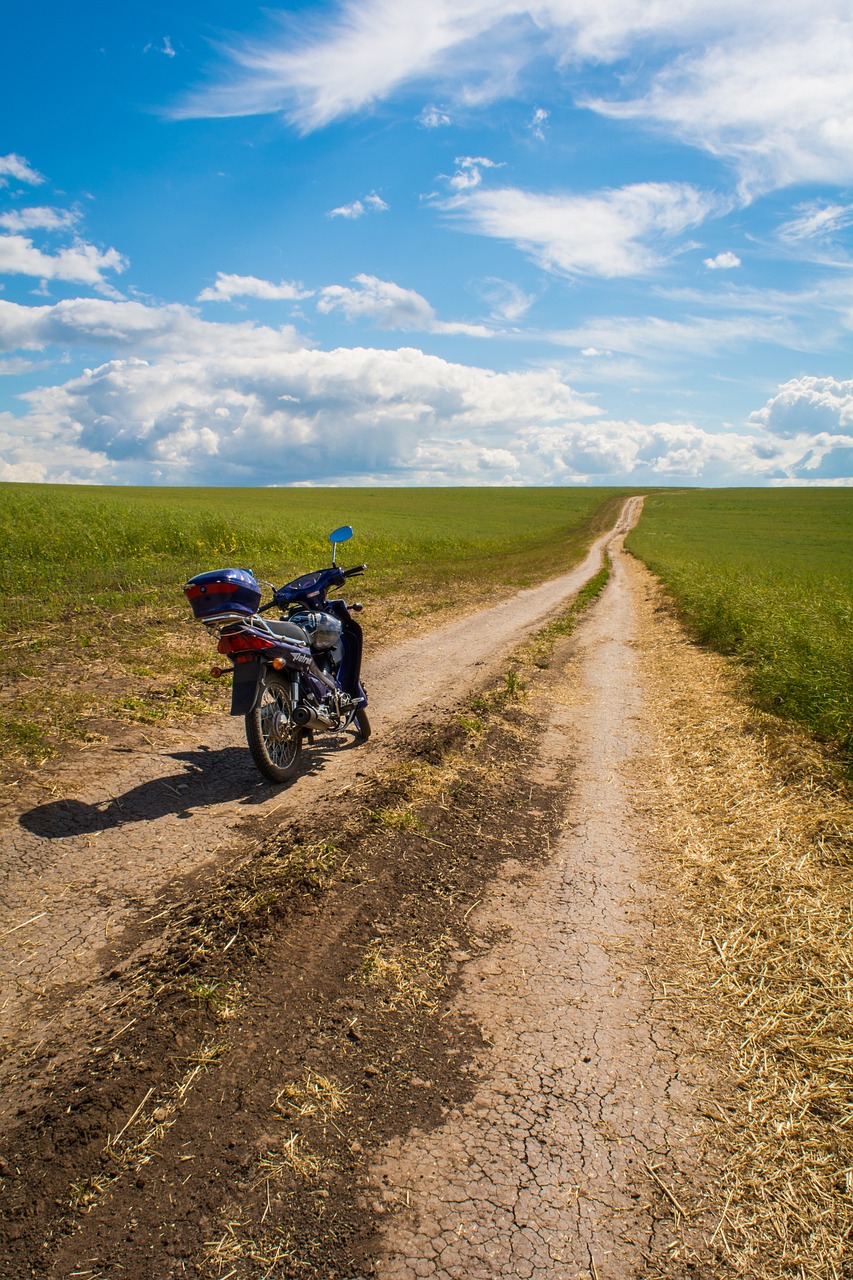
{"x":464,"y":241}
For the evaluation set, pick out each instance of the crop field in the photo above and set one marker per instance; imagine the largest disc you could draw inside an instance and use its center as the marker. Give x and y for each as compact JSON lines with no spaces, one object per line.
{"x":766,"y":576}
{"x":97,"y":628}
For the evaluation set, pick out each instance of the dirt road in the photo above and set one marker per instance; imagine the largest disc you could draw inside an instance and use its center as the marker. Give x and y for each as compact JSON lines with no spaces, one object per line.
{"x":587,"y":1085}
{"x":122,"y":826}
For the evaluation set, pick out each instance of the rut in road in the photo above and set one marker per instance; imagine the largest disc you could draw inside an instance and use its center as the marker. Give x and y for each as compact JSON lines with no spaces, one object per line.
{"x":586,"y":1094}
{"x":80,"y":868}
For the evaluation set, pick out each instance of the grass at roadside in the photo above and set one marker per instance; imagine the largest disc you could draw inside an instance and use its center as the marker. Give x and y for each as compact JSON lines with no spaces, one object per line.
{"x":765,"y":576}
{"x":96,"y":627}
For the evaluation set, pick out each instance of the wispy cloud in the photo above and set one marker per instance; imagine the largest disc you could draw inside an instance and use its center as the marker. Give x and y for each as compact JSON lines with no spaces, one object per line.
{"x":469,"y":172}
{"x":368,"y":204}
{"x":508,"y":302}
{"x":693,"y":336}
{"x":434,"y":118}
{"x":623,"y":232}
{"x":770,"y":92}
{"x":38,"y":218}
{"x":816,"y":221}
{"x":15,"y":166}
{"x":774,"y":106}
{"x":390,"y":306}
{"x":227,"y":287}
{"x":537,"y":123}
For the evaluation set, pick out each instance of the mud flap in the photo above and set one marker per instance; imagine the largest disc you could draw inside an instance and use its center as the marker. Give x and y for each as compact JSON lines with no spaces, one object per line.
{"x":248,"y":682}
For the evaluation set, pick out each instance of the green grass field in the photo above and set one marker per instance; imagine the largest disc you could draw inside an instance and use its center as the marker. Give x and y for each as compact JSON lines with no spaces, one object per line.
{"x":765,"y":575}
{"x":96,"y":625}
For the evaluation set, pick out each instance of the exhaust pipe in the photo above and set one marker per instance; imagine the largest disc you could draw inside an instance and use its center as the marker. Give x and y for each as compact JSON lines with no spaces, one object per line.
{"x":309,"y":718}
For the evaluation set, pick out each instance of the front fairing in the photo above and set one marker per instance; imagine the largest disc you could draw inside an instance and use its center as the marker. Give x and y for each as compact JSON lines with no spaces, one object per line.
{"x":349,"y":671}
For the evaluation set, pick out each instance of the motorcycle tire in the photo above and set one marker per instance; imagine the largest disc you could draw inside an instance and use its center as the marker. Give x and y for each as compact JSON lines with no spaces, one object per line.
{"x":362,"y":724}
{"x":274,"y":741}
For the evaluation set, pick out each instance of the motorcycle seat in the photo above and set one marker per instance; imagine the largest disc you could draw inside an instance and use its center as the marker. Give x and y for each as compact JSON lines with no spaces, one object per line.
{"x":287,"y":630}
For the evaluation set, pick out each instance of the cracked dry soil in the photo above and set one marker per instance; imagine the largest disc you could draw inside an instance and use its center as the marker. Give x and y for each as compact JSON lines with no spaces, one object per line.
{"x":432,"y":1050}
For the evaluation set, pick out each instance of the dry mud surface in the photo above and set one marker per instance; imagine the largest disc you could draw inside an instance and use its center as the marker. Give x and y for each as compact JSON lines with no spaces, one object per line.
{"x":405,"y":1018}
{"x":545,"y":1171}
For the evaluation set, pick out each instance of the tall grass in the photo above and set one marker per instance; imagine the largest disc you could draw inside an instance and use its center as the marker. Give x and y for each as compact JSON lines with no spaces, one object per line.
{"x":95,"y":625}
{"x":66,"y":547}
{"x":766,"y":576}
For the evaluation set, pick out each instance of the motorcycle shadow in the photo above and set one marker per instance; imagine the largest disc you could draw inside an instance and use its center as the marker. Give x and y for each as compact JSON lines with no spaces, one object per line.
{"x":206,"y":778}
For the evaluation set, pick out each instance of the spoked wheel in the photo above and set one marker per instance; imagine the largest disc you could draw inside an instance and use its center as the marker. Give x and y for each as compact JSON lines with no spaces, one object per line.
{"x":362,"y":724}
{"x":274,"y":740}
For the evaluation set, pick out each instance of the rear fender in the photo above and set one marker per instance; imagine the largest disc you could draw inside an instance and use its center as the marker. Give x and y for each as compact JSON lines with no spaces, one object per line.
{"x":249,"y":680}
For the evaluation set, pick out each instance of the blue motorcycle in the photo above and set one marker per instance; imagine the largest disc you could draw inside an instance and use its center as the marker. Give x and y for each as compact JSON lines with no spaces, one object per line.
{"x":293,"y":674}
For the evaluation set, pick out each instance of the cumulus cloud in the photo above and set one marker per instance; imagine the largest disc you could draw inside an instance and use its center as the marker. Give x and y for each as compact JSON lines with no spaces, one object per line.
{"x":725,"y":261}
{"x":249,"y":405}
{"x":808,"y":406}
{"x":227,"y":287}
{"x":390,"y":306}
{"x":14,"y":166}
{"x":80,"y":264}
{"x":76,"y":323}
{"x":369,"y":204}
{"x":621,"y":232}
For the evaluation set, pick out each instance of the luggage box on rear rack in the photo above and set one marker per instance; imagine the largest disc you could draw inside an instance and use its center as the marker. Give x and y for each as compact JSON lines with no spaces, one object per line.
{"x":223,"y":591}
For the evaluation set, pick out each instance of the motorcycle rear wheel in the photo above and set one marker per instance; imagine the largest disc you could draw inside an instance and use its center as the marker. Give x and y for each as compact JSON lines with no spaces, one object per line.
{"x":274,"y":740}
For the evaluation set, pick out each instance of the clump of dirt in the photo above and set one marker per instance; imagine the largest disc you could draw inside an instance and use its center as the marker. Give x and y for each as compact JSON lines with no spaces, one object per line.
{"x":217,"y":1118}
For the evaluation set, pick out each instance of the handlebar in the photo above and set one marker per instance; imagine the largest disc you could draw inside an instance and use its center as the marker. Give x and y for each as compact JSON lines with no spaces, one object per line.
{"x":351,"y":573}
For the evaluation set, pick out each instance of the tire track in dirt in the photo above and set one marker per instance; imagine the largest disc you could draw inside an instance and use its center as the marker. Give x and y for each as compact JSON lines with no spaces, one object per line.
{"x":585,"y":1107}
{"x":77,"y":871}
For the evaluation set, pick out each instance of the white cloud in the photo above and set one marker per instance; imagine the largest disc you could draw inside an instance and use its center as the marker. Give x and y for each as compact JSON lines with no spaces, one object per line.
{"x":99,"y":323}
{"x":469,"y":172}
{"x":253,"y":412}
{"x":434,"y":118}
{"x":81,"y":264}
{"x":770,"y":90}
{"x":623,"y":232}
{"x":370,"y":204}
{"x":778,"y":107}
{"x":14,"y":166}
{"x":537,"y":123}
{"x":38,"y":218}
{"x":695,"y":335}
{"x":816,"y":221}
{"x":808,"y":406}
{"x":390,"y":306}
{"x":725,"y":261}
{"x":227,"y":287}
{"x":508,"y":302}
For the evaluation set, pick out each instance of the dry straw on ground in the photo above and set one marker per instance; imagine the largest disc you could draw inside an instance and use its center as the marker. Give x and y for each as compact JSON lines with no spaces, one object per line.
{"x":759,"y":825}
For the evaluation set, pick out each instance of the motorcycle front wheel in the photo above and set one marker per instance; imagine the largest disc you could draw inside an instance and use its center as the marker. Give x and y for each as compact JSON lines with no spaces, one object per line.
{"x":362,"y":724}
{"x":275,"y":742}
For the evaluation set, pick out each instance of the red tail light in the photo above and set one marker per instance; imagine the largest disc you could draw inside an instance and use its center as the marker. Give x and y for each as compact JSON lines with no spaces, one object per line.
{"x":240,"y":641}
